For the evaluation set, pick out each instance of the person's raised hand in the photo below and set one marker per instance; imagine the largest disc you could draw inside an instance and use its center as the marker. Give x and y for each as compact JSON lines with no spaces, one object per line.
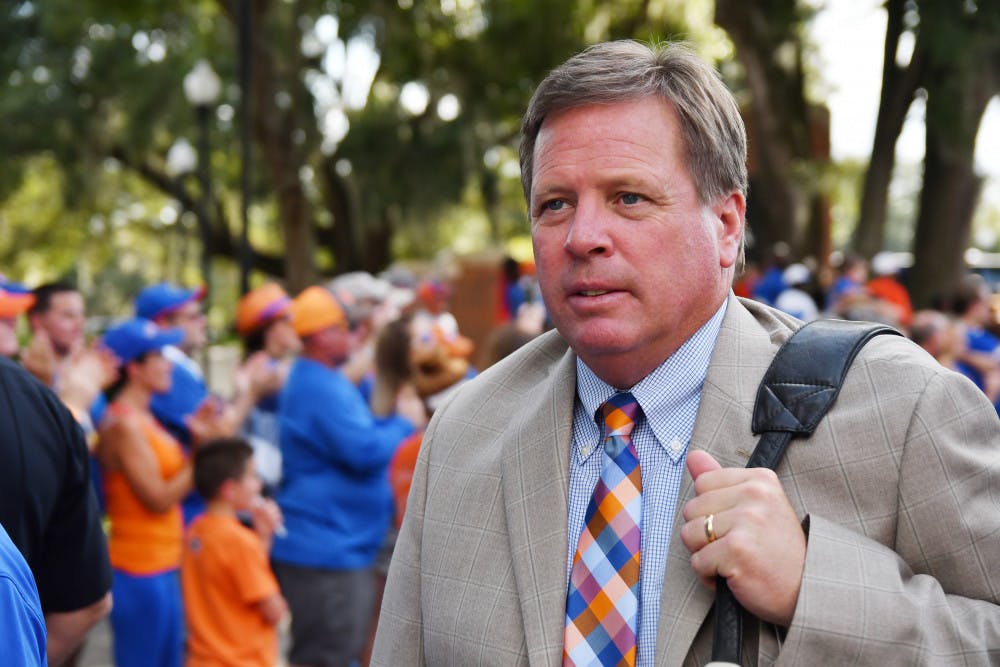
{"x":212,"y":419}
{"x":267,"y":518}
{"x":87,"y":372}
{"x":754,"y":538}
{"x":411,"y":406}
{"x":261,"y":375}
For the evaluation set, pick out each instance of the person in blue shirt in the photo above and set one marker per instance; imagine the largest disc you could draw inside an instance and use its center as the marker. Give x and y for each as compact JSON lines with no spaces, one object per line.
{"x":22,"y":633}
{"x":772,"y":281}
{"x":171,"y":306}
{"x":270,"y":345}
{"x":981,"y":360}
{"x":334,"y":493}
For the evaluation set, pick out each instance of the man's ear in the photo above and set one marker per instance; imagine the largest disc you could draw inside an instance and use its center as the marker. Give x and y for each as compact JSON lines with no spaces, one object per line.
{"x":730,"y":213}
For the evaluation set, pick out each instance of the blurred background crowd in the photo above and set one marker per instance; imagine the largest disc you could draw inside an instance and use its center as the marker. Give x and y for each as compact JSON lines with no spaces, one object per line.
{"x":331,"y":388}
{"x":166,"y":159}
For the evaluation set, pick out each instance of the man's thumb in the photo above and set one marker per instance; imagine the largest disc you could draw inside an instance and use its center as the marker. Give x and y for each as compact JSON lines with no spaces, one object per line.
{"x":699,"y":462}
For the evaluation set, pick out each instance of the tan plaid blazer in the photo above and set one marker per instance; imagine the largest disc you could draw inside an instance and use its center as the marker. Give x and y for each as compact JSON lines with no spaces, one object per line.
{"x":900,"y":484}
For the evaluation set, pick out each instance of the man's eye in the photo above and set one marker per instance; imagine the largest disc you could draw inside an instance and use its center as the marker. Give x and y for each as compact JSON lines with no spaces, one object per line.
{"x":554,"y":205}
{"x":631,"y":198}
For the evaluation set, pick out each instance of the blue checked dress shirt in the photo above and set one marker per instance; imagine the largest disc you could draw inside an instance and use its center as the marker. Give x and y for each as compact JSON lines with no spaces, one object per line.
{"x":669,"y":398}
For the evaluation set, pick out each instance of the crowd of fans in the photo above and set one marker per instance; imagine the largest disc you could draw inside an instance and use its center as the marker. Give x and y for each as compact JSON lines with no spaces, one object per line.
{"x":961,"y":331}
{"x":224,"y":514}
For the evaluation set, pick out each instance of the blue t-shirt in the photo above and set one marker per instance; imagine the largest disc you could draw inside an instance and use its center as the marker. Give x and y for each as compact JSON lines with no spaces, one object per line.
{"x":979,"y":340}
{"x":770,"y":285}
{"x":334,"y":494}
{"x":22,"y":632}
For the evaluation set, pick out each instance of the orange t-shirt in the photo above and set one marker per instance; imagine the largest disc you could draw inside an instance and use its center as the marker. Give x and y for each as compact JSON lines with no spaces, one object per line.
{"x":142,"y":541}
{"x":224,"y":575}
{"x":887,"y":289}
{"x":401,"y":472}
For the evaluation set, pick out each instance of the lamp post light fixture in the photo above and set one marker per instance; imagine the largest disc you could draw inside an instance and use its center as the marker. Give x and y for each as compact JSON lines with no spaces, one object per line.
{"x":181,"y":158}
{"x":202,"y":87}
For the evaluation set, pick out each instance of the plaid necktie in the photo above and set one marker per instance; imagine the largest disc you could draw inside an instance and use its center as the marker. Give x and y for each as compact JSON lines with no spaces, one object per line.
{"x":602,"y":607}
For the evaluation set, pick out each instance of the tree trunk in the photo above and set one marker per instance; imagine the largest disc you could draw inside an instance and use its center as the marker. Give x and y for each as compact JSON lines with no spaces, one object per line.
{"x":960,"y":82}
{"x":949,"y":195}
{"x":273,"y":129}
{"x":898,"y":87}
{"x":778,"y":208}
{"x":341,"y":237}
{"x":947,"y":202}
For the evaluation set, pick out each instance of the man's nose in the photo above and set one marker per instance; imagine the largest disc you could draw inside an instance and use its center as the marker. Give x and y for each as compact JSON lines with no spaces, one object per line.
{"x":591,"y":228}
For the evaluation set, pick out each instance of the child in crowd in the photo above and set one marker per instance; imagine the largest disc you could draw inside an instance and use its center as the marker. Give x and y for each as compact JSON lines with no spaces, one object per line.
{"x":231,"y":597}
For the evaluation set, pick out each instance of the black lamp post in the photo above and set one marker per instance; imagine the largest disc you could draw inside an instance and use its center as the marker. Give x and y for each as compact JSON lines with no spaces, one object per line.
{"x":245,"y":23}
{"x":201,"y":88}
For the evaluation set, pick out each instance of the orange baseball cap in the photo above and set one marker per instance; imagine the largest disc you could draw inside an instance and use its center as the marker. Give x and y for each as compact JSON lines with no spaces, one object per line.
{"x":259,"y":306}
{"x":13,"y":303}
{"x":315,"y":309}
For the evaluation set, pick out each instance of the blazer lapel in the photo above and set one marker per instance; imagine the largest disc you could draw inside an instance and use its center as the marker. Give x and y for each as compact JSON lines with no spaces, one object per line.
{"x":742,"y":353}
{"x":535,"y":483}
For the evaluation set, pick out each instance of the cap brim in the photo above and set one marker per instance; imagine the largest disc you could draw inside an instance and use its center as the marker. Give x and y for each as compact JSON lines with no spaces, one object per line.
{"x":13,"y":304}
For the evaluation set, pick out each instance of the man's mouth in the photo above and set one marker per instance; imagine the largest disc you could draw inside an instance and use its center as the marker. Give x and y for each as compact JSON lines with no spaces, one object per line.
{"x":593,"y":292}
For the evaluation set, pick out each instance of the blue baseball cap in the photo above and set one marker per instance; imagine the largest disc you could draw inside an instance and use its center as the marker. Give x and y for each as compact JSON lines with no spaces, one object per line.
{"x":133,"y":338}
{"x":162,"y":298}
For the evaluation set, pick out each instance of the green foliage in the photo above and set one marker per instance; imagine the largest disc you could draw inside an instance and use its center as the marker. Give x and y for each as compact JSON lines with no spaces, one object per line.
{"x":82,"y":81}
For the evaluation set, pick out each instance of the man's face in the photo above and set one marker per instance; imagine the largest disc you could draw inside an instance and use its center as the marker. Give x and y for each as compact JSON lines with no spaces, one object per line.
{"x":630,"y":262}
{"x":331,"y":346}
{"x":63,"y":322}
{"x":191,"y":320}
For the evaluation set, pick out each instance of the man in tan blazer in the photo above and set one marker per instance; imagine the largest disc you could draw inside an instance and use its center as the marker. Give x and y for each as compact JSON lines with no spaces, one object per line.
{"x":876,"y":542}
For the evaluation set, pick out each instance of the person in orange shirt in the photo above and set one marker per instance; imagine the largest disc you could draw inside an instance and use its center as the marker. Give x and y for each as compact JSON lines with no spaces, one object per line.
{"x":145,"y":476}
{"x":886,"y":288}
{"x":231,"y":597}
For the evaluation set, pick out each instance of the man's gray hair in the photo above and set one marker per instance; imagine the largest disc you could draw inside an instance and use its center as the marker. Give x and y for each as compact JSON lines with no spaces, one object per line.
{"x":622,"y":71}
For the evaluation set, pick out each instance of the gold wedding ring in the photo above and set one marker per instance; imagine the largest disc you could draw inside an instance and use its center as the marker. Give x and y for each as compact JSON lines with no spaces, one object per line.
{"x":710,"y":527}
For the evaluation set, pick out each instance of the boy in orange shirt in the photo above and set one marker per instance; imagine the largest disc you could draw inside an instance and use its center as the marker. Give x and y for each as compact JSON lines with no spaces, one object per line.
{"x":231,"y":598}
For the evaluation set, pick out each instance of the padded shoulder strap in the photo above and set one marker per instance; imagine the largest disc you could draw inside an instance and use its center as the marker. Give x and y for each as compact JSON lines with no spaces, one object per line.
{"x":798,"y":389}
{"x":803,"y":382}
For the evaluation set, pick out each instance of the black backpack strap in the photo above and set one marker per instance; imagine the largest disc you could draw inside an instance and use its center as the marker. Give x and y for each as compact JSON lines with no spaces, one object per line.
{"x":798,"y":389}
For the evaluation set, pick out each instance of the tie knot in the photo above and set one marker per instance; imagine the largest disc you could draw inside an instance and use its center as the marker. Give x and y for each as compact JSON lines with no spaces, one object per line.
{"x":617,"y":415}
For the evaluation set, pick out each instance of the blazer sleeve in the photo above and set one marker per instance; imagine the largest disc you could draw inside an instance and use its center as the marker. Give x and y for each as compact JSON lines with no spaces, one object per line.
{"x":932,"y":596}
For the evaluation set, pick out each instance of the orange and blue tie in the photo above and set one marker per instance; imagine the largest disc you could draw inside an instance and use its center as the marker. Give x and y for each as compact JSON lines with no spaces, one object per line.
{"x":602,"y":607}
